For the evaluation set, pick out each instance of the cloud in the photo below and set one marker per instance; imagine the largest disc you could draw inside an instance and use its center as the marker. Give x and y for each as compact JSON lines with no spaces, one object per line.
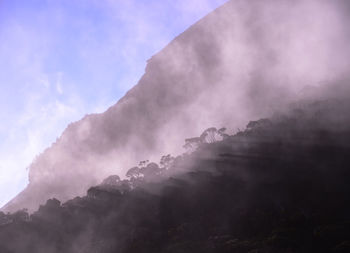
{"x":59,"y":83}
{"x":45,"y":81}
{"x":35,"y":128}
{"x":60,"y":60}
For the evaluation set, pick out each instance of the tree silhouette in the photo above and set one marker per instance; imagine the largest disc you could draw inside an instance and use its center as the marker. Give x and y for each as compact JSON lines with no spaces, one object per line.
{"x":149,"y":171}
{"x":191,"y":144}
{"x":166,"y":161}
{"x":133,"y":173}
{"x":212,"y":135}
{"x":111,"y":180}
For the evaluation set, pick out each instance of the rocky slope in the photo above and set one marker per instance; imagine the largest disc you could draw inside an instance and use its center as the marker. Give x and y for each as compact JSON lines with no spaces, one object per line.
{"x":240,"y":61}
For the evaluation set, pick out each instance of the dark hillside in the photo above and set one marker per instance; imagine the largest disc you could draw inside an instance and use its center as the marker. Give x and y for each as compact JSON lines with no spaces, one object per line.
{"x":281,"y":185}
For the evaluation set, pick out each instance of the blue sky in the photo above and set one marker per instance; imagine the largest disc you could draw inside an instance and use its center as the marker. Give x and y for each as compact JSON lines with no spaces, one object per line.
{"x":62,"y":59}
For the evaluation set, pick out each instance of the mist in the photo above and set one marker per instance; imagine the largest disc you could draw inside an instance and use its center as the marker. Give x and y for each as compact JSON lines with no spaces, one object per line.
{"x":243,"y":61}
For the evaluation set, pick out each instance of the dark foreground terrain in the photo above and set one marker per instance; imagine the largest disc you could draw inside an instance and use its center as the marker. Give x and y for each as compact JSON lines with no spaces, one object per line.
{"x":281,"y":185}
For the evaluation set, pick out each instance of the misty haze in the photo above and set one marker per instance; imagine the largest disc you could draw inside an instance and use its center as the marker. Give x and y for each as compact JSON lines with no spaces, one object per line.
{"x":235,"y":139}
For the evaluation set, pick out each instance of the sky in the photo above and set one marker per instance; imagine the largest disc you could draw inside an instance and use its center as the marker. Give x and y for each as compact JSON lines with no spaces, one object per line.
{"x":63,"y":59}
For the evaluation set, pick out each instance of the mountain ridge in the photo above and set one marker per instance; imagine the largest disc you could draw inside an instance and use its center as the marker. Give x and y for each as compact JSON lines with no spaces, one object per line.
{"x":235,"y":64}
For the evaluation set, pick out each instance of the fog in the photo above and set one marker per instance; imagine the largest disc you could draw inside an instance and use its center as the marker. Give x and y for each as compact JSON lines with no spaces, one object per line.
{"x":243,"y":61}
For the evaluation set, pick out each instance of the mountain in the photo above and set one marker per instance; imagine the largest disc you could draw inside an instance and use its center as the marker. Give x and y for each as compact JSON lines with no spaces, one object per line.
{"x":280,"y":185}
{"x":244,"y":60}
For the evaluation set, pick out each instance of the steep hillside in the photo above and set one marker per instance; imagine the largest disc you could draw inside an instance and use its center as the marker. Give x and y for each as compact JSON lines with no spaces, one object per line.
{"x":242,"y":60}
{"x":281,"y":185}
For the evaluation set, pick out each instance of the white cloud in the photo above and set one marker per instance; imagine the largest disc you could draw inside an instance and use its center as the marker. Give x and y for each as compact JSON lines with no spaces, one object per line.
{"x":59,"y":83}
{"x":44,"y":80}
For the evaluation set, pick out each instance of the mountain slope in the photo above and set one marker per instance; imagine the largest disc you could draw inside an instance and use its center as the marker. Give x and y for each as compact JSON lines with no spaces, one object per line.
{"x":281,"y":185}
{"x":240,"y":61}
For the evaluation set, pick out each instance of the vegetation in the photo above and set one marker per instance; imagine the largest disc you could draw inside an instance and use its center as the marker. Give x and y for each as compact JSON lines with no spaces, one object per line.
{"x":281,"y":185}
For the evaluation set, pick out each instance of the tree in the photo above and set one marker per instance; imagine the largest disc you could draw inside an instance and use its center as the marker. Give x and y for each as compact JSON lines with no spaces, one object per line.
{"x":151,"y":170}
{"x":258,"y":124}
{"x":143,"y":163}
{"x":212,"y":135}
{"x":20,"y":215}
{"x":111,"y":180}
{"x":124,"y":186}
{"x":222,"y":133}
{"x":4,"y":218}
{"x":133,"y":173}
{"x":166,"y":161}
{"x":191,"y":144}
